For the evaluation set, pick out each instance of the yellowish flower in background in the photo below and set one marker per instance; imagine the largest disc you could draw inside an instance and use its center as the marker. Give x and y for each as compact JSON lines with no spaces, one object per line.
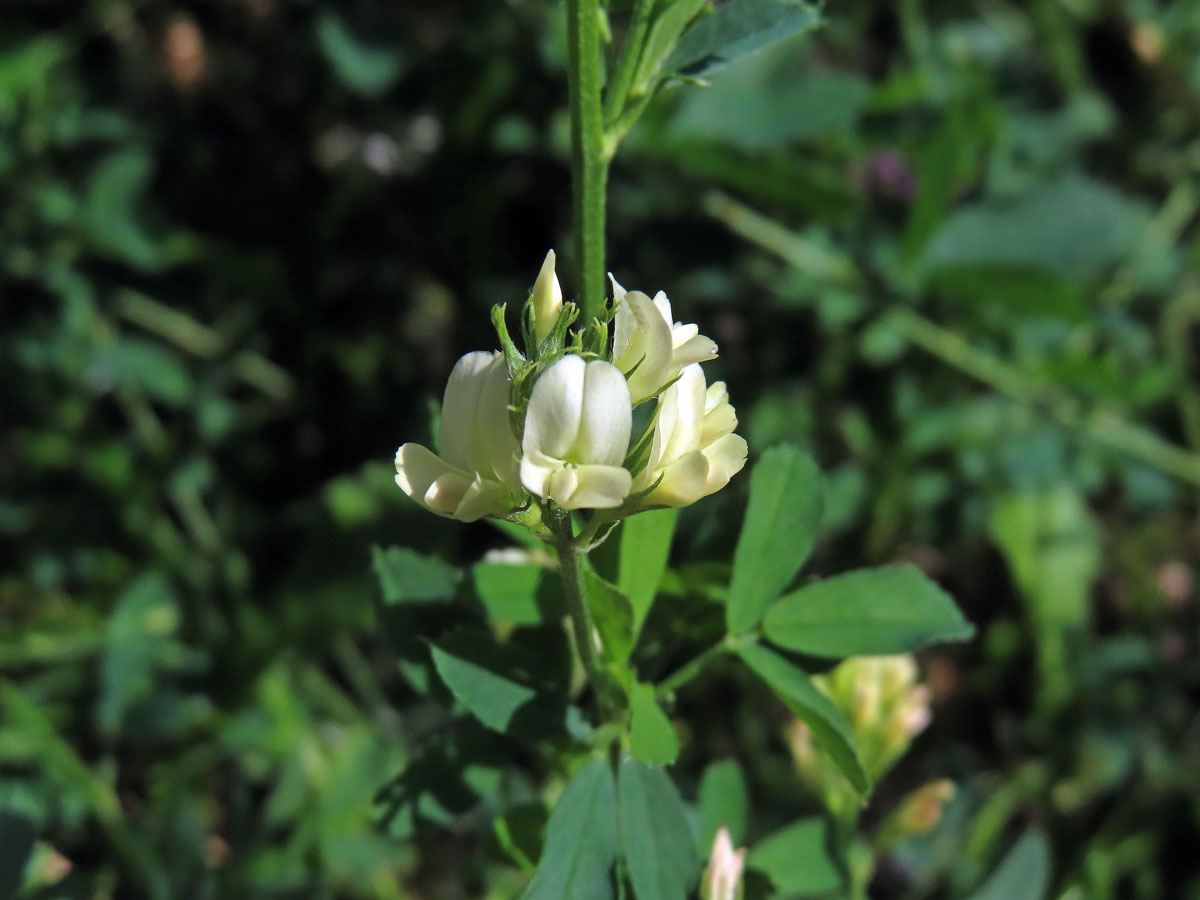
{"x":650,"y":345}
{"x":723,"y":876}
{"x":547,"y":299}
{"x":693,"y":450}
{"x":577,"y":434}
{"x":476,"y":474}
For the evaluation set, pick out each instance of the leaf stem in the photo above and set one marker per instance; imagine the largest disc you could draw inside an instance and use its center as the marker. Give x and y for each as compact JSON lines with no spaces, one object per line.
{"x":690,"y":669}
{"x":589,"y":153}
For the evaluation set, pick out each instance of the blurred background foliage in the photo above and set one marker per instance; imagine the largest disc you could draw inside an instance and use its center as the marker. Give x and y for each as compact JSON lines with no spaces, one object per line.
{"x":951,"y":248}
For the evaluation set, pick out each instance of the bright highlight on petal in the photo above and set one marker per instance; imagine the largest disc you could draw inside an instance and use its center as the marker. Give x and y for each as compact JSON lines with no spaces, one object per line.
{"x":576,"y":435}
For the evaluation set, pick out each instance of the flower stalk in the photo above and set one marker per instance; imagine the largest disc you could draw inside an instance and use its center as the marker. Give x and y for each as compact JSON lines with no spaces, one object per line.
{"x":589,"y":154}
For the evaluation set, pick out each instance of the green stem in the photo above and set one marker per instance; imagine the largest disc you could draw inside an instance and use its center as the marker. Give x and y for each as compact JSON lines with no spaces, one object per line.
{"x":689,"y":670}
{"x":582,"y":629}
{"x":589,"y":155}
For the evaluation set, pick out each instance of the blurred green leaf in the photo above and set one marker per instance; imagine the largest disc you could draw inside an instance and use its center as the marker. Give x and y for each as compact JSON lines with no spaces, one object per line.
{"x":1024,"y":874}
{"x":406,"y":576}
{"x":723,"y":801}
{"x":518,"y":593}
{"x":645,"y":546}
{"x":760,"y":104}
{"x":777,"y":535}
{"x":363,"y":67}
{"x":612,"y":615}
{"x":872,"y":612}
{"x":736,"y":28}
{"x":657,"y":844}
{"x":1053,"y":547}
{"x":829,"y":727}
{"x":798,"y":859}
{"x":1075,"y":227}
{"x":651,"y":735}
{"x":571,"y":867}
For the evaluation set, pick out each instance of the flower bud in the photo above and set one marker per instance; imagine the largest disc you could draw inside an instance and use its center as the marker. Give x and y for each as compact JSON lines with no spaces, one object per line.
{"x":723,"y":877}
{"x":577,"y":434}
{"x":476,"y":474}
{"x":547,"y":299}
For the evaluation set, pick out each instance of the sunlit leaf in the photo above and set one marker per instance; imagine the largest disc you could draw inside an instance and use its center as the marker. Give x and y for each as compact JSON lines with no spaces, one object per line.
{"x":781,"y":524}
{"x":651,"y":735}
{"x":893,"y":609}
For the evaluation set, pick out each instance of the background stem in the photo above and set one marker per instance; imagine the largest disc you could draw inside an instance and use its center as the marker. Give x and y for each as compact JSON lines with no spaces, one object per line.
{"x":589,"y":158}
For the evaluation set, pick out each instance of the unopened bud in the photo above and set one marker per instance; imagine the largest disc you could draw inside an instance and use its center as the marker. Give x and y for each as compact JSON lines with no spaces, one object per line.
{"x":723,"y":877}
{"x":547,"y":299}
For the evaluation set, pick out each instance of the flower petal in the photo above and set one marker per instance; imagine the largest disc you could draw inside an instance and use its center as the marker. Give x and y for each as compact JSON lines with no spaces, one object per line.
{"x":642,"y":345}
{"x":555,"y":407}
{"x":597,"y":487}
{"x":418,"y":469}
{"x":460,"y":406}
{"x":607,"y":416}
{"x":726,"y":457}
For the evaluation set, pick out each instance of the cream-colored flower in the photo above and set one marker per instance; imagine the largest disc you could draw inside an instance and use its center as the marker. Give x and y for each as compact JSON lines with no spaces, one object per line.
{"x":648,"y":343}
{"x":476,"y":474}
{"x":547,"y":299}
{"x":723,"y":876}
{"x":577,"y":434}
{"x":693,"y":449}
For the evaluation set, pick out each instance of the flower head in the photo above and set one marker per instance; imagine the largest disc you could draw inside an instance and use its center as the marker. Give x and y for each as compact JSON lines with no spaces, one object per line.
{"x":577,"y":434}
{"x":476,"y":474}
{"x":693,"y":450}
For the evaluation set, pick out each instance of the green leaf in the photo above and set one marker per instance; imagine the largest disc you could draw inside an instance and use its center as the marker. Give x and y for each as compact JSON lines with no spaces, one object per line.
{"x":659,"y":850}
{"x":781,"y":524}
{"x":16,"y":844}
{"x":645,"y":545}
{"x":652,"y":737}
{"x":797,"y":858}
{"x":872,"y":612}
{"x":406,"y":576}
{"x":612,"y":615}
{"x":1024,"y":874}
{"x":495,"y":684}
{"x":581,"y":840}
{"x":723,"y":801}
{"x":518,"y":594}
{"x":738,"y":27}
{"x":829,"y":727}
{"x":660,"y":40}
{"x":364,"y":68}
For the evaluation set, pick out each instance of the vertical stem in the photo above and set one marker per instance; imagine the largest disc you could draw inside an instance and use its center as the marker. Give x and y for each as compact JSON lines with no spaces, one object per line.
{"x":589,"y":157}
{"x":581,"y":620}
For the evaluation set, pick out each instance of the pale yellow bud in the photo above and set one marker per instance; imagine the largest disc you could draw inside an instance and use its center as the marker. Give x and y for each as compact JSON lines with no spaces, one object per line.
{"x":547,"y":299}
{"x":723,"y":877}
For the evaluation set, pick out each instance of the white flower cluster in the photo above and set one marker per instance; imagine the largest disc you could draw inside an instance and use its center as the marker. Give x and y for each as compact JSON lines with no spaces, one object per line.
{"x":576,"y":446}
